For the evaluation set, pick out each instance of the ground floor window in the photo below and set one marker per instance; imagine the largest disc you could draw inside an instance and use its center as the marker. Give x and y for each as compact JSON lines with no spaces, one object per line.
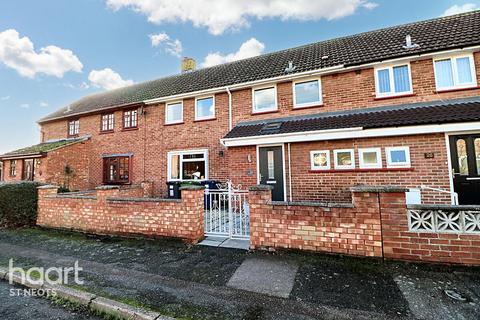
{"x":27,"y":173}
{"x":13,"y":168}
{"x":188,"y":165}
{"x":116,"y":170}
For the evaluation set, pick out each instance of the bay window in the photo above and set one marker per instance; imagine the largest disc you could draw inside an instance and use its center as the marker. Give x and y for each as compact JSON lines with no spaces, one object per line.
{"x":188,"y":165}
{"x":455,"y":72}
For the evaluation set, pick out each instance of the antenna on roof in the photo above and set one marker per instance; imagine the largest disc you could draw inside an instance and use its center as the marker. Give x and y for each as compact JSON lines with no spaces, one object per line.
{"x":409,"y":44}
{"x":290,"y":67}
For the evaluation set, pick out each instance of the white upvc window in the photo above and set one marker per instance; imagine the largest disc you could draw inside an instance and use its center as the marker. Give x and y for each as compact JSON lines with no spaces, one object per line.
{"x":264,"y":99}
{"x":320,"y":160}
{"x":370,"y":158}
{"x":344,"y":159}
{"x":307,"y":93}
{"x":455,"y":72}
{"x":188,"y":165}
{"x":398,"y":157}
{"x":174,"y":112}
{"x":393,"y":80}
{"x":205,"y":108}
{"x":73,"y":127}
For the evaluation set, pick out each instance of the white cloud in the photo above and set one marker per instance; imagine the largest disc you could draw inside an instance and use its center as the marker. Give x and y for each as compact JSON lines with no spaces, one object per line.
{"x":107,"y":79}
{"x":25,"y":106}
{"x":455,"y":9}
{"x":223,"y":15}
{"x":172,"y":46}
{"x":248,"y":49}
{"x":43,"y":104}
{"x":5,"y":98}
{"x":20,"y":55}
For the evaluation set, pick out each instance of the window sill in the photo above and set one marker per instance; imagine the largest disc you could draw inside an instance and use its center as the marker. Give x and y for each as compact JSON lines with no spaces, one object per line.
{"x":264,"y":112}
{"x":72,"y":136}
{"x":173,"y":123}
{"x":361,"y":170}
{"x":206,"y":119}
{"x":130,"y":129}
{"x":308,"y":107}
{"x":456,"y":89}
{"x":395,"y":96}
{"x":107,"y":132}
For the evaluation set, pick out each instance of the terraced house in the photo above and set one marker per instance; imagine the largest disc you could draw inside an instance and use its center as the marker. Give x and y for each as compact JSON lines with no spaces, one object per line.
{"x":397,"y":106}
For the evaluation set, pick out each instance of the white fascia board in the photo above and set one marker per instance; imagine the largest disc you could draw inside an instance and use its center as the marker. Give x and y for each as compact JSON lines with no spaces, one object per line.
{"x":350,"y":133}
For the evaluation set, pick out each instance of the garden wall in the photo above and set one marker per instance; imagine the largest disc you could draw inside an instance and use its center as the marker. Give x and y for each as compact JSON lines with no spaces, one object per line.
{"x":108,"y":212}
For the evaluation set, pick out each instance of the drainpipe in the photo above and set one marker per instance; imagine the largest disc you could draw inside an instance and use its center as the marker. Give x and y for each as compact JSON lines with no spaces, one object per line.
{"x":230,"y":108}
{"x":290,"y":172}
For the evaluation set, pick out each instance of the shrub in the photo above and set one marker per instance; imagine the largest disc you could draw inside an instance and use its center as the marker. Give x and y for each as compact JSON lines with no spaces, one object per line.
{"x":18,"y":203}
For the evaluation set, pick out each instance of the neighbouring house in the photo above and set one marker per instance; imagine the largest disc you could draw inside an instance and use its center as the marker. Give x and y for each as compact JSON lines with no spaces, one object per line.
{"x":394,"y":107}
{"x":63,"y":162}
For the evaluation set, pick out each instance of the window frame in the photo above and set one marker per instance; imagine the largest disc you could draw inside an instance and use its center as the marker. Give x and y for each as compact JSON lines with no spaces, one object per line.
{"x":76,"y":127}
{"x":113,"y":122}
{"x":13,"y":168}
{"x":166,"y":112}
{"x":312,"y":164}
{"x":117,"y":182}
{"x":453,"y":59}
{"x":275,"y":108}
{"x":392,"y":92}
{"x":130,"y":127}
{"x":180,"y":153}
{"x":361,"y":162}
{"x":343,"y":167}
{"x":388,"y":157}
{"x":308,"y":104}
{"x":197,"y":118}
{"x":2,"y":171}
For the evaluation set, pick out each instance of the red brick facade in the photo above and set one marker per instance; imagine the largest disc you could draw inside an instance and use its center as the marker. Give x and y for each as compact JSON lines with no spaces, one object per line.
{"x":152,"y":140}
{"x":108,"y":211}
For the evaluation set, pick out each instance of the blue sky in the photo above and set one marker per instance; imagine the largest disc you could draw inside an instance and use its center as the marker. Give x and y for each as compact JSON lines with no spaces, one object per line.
{"x":93,"y":45}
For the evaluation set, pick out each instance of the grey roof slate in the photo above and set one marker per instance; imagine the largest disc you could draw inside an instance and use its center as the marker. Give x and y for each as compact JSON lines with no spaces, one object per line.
{"x":435,"y":112}
{"x":431,"y":35}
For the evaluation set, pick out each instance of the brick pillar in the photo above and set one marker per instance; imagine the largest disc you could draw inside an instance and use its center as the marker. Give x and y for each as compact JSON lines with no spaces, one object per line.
{"x":43,"y":209}
{"x":194,"y":213}
{"x":258,"y":197}
{"x":104,"y":192}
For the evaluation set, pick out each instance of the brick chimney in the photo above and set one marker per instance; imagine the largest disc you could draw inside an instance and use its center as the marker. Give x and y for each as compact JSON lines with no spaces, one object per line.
{"x":188,"y":64}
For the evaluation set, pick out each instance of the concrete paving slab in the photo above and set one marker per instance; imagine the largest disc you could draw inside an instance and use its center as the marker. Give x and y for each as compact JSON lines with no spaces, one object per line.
{"x":236,"y":244}
{"x":267,"y":275}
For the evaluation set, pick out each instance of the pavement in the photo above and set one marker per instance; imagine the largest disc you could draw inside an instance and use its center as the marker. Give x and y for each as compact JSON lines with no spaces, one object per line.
{"x":27,"y":307}
{"x":202,"y":282}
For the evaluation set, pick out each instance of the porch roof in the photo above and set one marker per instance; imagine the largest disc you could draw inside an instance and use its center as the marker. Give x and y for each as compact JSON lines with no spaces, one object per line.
{"x":424,"y":113}
{"x":41,"y":149}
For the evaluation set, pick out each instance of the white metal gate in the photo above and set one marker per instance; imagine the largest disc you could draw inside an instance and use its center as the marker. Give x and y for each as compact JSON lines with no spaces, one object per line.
{"x":227,"y":212}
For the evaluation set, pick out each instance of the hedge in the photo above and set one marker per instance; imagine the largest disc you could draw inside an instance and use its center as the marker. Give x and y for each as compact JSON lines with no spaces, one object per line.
{"x":18,"y":203}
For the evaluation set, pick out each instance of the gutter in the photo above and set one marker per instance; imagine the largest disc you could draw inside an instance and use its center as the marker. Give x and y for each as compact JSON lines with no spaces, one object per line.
{"x":230,"y":110}
{"x":316,"y":72}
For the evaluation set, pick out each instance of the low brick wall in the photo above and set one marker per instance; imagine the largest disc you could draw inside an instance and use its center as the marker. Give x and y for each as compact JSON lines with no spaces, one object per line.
{"x":107,"y":212}
{"x":348,"y":228}
{"x":375,"y":224}
{"x":420,"y":245}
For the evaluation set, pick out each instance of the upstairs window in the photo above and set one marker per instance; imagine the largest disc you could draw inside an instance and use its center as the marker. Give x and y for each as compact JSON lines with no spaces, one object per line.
{"x":107,"y":122}
{"x":13,"y":168}
{"x":393,"y":80}
{"x":307,"y":93}
{"x":205,"y":108}
{"x":130,"y":119}
{"x":74,"y":127}
{"x":188,"y":165}
{"x":455,"y":72}
{"x":174,"y":113}
{"x":116,"y":170}
{"x":265,"y":99}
